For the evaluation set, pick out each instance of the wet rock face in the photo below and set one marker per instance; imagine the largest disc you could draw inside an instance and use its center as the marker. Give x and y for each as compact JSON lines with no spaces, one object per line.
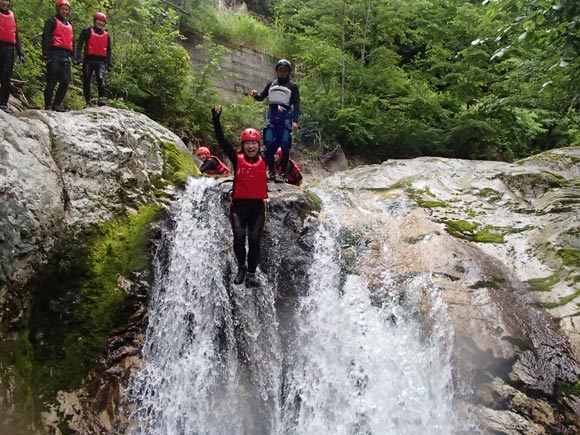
{"x":62,"y":170}
{"x":498,"y":243}
{"x":103,"y":406}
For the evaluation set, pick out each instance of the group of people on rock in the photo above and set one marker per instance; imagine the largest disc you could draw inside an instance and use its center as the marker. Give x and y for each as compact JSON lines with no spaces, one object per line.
{"x":253,"y":167}
{"x":92,"y":51}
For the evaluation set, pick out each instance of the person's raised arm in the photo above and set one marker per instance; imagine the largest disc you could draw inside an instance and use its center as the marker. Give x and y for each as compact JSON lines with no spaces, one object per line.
{"x":229,"y":150}
{"x":262,"y":95}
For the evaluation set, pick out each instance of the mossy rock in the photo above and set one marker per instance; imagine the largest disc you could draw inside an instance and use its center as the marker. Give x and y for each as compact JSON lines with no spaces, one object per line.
{"x":177,"y":164}
{"x":544,"y":284}
{"x":490,"y":195}
{"x":472,"y":231}
{"x":419,"y":195}
{"x":316,"y":201}
{"x":533,"y":184}
{"x":570,"y":257}
{"x":76,"y":305}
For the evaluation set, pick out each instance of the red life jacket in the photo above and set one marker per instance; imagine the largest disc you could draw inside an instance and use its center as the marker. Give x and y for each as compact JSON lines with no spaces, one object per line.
{"x":294,"y":174}
{"x":63,"y":35}
{"x":98,"y":44}
{"x":8,"y":28}
{"x":222,"y":169}
{"x":251,"y":179}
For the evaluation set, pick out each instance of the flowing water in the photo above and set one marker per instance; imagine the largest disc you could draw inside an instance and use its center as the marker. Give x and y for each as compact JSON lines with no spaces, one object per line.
{"x":215,"y":362}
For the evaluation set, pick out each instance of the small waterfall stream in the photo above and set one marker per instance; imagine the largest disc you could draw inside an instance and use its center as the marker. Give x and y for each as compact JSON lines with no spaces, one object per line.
{"x":214,"y":362}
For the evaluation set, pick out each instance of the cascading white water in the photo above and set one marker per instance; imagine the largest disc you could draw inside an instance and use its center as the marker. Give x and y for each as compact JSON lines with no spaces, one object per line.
{"x":210,"y":357}
{"x":213,"y":359}
{"x":356,"y":369}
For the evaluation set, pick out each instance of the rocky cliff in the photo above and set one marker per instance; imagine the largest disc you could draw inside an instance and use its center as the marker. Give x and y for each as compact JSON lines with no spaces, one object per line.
{"x":81,"y":211}
{"x":499,"y":245}
{"x":72,"y":187}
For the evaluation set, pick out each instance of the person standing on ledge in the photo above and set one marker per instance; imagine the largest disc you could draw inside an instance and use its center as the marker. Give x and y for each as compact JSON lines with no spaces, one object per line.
{"x":97,"y":56}
{"x":57,"y":52}
{"x":248,"y":207}
{"x":9,"y":42}
{"x":283,"y":115}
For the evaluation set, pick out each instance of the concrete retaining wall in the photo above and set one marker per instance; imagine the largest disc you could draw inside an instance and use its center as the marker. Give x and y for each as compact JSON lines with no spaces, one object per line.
{"x":244,"y":68}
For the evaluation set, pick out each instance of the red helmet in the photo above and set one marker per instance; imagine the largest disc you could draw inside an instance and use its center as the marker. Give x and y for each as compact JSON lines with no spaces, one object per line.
{"x":60,"y":3}
{"x":250,"y":134}
{"x":100,"y":16}
{"x":279,"y":152}
{"x":203,"y":151}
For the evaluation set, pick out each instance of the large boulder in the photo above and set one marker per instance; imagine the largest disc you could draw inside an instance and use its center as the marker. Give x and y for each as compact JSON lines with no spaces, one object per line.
{"x":62,"y":170}
{"x":499,"y":244}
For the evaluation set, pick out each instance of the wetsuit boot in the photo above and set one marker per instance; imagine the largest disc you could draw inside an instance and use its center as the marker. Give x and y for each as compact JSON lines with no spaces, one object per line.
{"x":252,"y":280}
{"x":241,"y":276}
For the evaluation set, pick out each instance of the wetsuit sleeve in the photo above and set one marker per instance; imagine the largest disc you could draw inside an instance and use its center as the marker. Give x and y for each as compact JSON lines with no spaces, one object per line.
{"x":295,"y":102}
{"x":109,"y":51}
{"x":262,"y":95}
{"x":83,"y":39}
{"x":49,"y":26}
{"x":209,"y":165}
{"x":219,"y":135}
{"x":19,"y":51}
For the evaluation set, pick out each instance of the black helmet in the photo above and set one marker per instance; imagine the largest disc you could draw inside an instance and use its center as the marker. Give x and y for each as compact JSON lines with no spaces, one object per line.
{"x":284,"y":63}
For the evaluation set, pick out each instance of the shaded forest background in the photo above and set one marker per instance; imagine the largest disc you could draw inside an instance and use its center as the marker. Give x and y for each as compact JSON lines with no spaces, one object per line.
{"x":493,"y":79}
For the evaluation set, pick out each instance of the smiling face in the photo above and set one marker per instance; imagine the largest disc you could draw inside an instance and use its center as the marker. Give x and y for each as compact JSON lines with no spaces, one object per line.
{"x":100,"y":24}
{"x":283,"y":72}
{"x":203,"y":157}
{"x":251,"y":148}
{"x":4,"y":4}
{"x":63,"y":11}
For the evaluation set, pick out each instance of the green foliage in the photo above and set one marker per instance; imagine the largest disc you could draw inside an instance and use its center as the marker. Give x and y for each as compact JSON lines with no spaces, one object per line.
{"x":401,"y":79}
{"x":386,"y":79}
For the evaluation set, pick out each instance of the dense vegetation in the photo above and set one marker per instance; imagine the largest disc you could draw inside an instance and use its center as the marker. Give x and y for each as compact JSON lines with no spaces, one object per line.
{"x":496,"y":79}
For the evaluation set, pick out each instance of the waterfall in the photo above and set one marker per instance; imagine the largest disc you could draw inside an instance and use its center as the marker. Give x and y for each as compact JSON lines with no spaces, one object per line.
{"x":214,"y":363}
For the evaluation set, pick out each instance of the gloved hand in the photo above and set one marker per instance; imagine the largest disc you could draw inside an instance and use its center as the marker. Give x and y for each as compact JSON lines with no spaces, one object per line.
{"x":216,"y":111}
{"x":21,"y":58}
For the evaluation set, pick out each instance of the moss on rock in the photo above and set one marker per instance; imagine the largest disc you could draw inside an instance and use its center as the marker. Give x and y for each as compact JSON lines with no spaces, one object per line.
{"x":570,"y":257}
{"x":178,"y":165}
{"x":78,"y":301}
{"x":544,"y":284}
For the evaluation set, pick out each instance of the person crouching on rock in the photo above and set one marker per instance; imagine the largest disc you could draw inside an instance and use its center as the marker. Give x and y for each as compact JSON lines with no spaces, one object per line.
{"x":248,"y":207}
{"x":211,"y":165}
{"x":57,"y":52}
{"x":293,"y":174}
{"x":97,"y":56}
{"x":9,"y":42}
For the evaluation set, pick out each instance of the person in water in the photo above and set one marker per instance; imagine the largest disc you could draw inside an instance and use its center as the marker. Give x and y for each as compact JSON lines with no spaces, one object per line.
{"x":248,"y":207}
{"x":283,"y":115}
{"x":211,"y":165}
{"x":293,"y":174}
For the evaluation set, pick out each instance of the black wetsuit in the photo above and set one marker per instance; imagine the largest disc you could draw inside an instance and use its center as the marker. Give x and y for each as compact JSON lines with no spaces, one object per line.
{"x":7,"y":65}
{"x":93,"y":64}
{"x":247,"y":216}
{"x":58,"y":69}
{"x":210,"y":164}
